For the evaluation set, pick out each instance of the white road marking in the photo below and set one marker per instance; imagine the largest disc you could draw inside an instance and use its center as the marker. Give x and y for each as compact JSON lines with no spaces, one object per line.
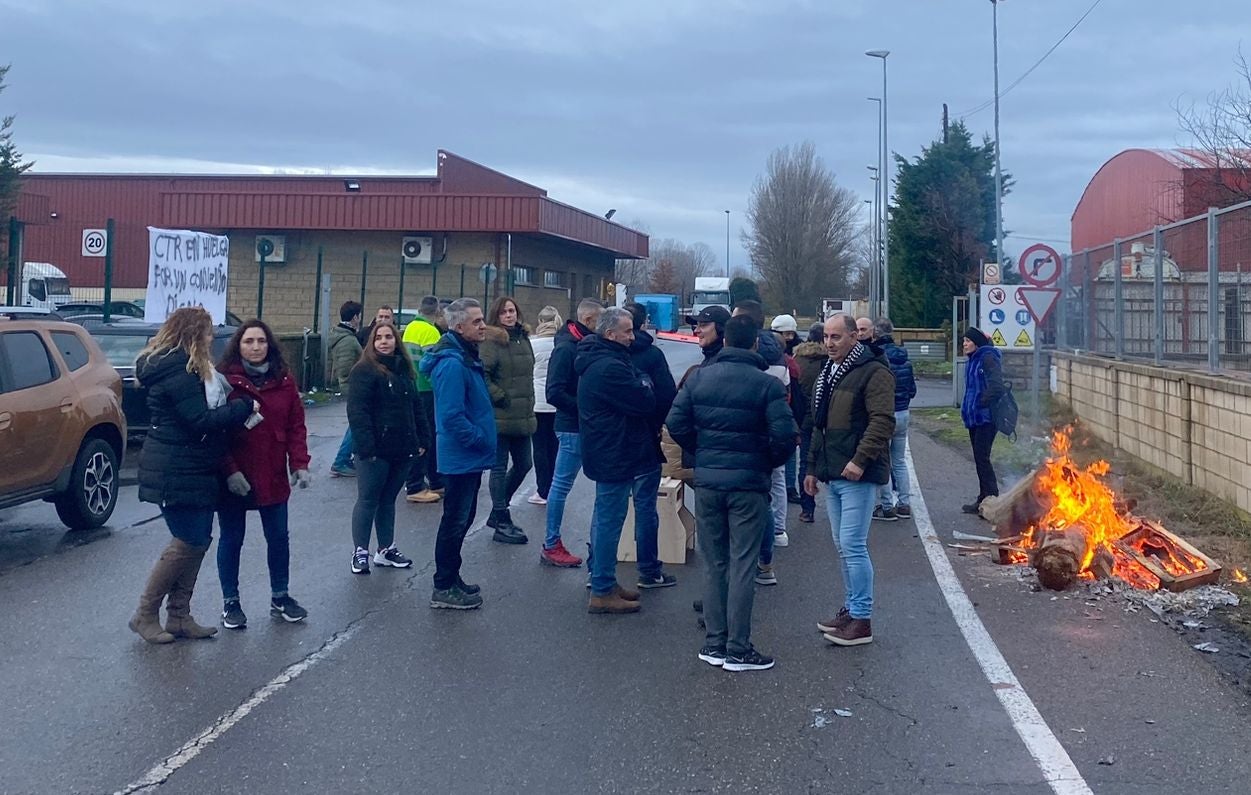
{"x":189,"y":751}
{"x":1057,"y":768}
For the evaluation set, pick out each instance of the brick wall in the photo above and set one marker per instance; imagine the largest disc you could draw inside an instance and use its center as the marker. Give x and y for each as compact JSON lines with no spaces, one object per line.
{"x":1194,"y":426}
{"x":290,"y":288}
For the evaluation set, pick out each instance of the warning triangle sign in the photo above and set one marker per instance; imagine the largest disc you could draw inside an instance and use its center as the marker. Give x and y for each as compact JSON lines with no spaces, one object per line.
{"x":1039,"y":301}
{"x":997,"y":338}
{"x":1023,"y":340}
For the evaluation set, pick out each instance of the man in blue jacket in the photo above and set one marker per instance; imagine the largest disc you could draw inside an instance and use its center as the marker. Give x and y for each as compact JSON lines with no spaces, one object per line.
{"x":616,"y":405}
{"x":465,"y":434}
{"x":892,"y":507}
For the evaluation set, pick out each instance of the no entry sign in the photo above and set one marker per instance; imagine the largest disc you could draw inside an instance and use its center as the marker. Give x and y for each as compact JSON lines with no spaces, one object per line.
{"x":1040,"y":265}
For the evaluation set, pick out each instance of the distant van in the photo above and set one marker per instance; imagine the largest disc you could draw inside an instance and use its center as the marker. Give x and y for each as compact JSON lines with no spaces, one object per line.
{"x":44,"y":286}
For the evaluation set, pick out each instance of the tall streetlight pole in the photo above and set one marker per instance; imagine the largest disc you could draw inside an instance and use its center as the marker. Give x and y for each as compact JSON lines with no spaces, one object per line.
{"x":884,"y":176}
{"x":727,"y":244}
{"x":879,"y":203}
{"x":994,"y":4}
{"x":875,"y":301}
{"x":873,"y":260}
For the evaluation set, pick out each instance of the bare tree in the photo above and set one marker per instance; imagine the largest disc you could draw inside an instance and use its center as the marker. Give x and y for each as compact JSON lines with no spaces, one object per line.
{"x":635,"y":274}
{"x":1221,"y":130}
{"x":672,"y":268}
{"x":802,"y":231}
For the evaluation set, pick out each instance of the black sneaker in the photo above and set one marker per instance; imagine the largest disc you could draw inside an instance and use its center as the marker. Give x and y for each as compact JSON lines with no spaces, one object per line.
{"x":792,"y":496}
{"x":360,"y":561}
{"x":973,"y":508}
{"x":287,"y":609}
{"x":713,"y":655}
{"x":751,"y":661}
{"x":454,"y":599}
{"x":661,"y":580}
{"x":233,"y":617}
{"x":881,"y":514}
{"x":472,"y":590}
{"x":391,"y":557}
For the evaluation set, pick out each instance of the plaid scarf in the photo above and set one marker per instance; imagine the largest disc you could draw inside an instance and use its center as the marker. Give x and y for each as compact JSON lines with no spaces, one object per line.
{"x":830,"y":375}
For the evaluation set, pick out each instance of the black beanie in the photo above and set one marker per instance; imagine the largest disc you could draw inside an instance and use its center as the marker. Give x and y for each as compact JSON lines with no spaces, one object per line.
{"x":975,"y":335}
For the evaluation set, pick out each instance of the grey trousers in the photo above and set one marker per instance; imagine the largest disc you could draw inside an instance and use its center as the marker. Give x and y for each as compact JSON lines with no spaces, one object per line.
{"x":378,"y":483}
{"x":731,"y":526}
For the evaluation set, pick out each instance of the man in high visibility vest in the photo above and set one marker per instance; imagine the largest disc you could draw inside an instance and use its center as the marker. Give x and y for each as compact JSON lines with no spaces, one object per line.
{"x":425,"y":484}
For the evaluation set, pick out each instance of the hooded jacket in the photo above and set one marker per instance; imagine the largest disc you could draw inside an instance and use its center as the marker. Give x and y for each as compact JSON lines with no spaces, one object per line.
{"x":983,"y":386}
{"x":463,"y":417}
{"x":859,"y":421}
{"x":183,"y":454}
{"x":562,"y":378}
{"x":268,"y":453}
{"x":616,"y":408}
{"x":905,"y":380}
{"x":733,"y":416}
{"x":508,"y":359}
{"x":651,"y":362}
{"x":385,"y":412}
{"x":344,"y":349}
{"x":811,"y":357}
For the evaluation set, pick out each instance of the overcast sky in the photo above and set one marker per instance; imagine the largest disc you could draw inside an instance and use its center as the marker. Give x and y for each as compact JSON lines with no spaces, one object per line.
{"x":663,"y":109}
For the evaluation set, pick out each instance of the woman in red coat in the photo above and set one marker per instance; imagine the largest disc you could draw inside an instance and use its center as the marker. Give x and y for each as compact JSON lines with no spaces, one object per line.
{"x":265,"y":460}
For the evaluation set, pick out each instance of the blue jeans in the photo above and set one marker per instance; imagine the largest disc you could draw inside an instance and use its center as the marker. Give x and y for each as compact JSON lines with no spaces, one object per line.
{"x":850,"y":505}
{"x":898,"y":466}
{"x":232,"y":516}
{"x":612,"y":501}
{"x":568,"y":464}
{"x":190,"y":524}
{"x":343,"y":459}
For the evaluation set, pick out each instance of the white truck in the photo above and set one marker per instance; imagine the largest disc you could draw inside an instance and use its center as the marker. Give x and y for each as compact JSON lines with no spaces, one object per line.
{"x":44,"y":286}
{"x":710,"y":291}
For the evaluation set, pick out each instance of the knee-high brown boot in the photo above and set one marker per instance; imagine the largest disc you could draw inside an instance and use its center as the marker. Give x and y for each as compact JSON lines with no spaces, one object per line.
{"x":146,"y":622}
{"x":178,"y":620}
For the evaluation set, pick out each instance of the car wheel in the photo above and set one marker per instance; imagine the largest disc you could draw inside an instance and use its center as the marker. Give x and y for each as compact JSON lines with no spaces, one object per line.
{"x":92,"y":492}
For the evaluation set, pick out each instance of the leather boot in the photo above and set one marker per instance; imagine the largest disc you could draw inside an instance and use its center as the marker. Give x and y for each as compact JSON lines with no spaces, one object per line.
{"x":612,"y":603}
{"x":146,"y":622}
{"x":178,"y":620}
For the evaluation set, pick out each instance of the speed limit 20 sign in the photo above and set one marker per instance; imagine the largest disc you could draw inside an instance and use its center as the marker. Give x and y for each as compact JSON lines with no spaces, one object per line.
{"x":95,"y":242}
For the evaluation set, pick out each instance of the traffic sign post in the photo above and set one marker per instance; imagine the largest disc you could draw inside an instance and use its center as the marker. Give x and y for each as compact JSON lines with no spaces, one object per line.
{"x":95,"y":241}
{"x":1040,"y":266}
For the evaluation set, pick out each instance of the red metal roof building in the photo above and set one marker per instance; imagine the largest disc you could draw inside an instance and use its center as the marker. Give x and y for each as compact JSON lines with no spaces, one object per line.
{"x":476,"y":215}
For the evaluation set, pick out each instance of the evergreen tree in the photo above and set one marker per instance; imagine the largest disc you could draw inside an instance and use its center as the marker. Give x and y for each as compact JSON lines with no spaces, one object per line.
{"x":942,"y":226}
{"x":11,"y":170}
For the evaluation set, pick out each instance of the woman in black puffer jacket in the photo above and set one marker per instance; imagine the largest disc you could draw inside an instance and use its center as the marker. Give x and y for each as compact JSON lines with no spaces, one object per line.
{"x":180,"y":467}
{"x":388,"y":428}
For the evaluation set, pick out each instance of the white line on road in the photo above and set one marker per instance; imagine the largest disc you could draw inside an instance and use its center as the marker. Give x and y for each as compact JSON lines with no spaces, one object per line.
{"x":1057,"y":768}
{"x":162,"y":771}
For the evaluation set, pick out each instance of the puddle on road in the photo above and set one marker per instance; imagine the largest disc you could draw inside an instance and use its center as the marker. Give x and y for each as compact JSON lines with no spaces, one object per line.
{"x":23,"y":543}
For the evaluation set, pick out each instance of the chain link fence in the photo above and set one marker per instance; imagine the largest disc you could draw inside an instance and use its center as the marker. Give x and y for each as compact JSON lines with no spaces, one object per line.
{"x":1177,"y":294}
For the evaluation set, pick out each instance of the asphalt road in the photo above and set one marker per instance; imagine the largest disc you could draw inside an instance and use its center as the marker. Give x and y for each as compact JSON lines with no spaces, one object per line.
{"x":378,"y":693}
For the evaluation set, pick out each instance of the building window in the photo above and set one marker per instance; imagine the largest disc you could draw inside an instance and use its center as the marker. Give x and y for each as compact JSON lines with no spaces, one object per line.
{"x":588,"y":286}
{"x":522,"y":275}
{"x":553,"y":279}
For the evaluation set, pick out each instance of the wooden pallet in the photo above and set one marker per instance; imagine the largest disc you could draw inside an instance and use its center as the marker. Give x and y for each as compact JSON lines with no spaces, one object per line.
{"x":1208,"y":575}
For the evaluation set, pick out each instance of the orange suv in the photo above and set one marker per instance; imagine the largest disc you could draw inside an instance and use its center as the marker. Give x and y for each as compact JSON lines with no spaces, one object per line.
{"x":62,"y":431}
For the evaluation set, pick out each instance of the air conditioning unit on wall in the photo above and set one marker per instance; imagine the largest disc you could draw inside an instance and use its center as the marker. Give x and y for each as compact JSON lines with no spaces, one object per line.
{"x":418,"y":250}
{"x":274,"y":247}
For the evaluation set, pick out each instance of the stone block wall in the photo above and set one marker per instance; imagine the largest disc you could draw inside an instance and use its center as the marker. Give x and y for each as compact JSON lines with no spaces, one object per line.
{"x":1194,"y":426}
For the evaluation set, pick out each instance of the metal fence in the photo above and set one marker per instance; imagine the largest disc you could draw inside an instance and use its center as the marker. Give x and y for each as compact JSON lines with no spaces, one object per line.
{"x":1176,"y":294}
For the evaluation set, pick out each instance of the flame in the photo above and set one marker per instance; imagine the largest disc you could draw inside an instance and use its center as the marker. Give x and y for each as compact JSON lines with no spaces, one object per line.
{"x":1239,"y":576}
{"x":1079,"y":498}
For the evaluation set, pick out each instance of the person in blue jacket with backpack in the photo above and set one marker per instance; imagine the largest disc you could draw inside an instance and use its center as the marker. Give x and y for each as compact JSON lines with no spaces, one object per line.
{"x":896,"y":505}
{"x":983,"y":387}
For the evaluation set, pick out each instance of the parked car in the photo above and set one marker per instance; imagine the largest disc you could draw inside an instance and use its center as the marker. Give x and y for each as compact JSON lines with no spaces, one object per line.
{"x":121,"y":341}
{"x":62,"y":428}
{"x":116,"y":309}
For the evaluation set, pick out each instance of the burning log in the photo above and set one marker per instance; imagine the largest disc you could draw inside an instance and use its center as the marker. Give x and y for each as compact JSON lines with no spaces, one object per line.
{"x":1060,"y":555}
{"x":1018,"y":507}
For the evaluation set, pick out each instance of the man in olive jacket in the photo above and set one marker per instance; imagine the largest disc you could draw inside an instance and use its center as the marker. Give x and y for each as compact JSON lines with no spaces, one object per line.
{"x":733,"y":416}
{"x":344,"y":349}
{"x":853,"y":421}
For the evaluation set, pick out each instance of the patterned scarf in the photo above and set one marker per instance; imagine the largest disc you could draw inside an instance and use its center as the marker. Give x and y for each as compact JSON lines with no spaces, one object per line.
{"x":830,"y":375}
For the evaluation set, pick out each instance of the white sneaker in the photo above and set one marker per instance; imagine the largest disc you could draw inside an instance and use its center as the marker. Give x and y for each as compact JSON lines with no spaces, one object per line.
{"x":535,"y":499}
{"x":781,"y":539}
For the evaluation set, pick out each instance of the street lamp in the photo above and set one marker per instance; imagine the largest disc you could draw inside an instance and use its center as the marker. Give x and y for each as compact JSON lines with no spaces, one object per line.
{"x":877,"y":201}
{"x":885,"y":187}
{"x":727,"y":244}
{"x":994,"y":5}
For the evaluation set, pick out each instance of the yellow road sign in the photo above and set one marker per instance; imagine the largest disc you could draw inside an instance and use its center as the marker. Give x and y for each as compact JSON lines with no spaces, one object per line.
{"x":997,"y":338}
{"x":1023,"y":340}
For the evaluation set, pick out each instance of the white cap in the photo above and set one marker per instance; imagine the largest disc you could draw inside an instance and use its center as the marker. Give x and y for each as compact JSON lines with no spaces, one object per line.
{"x":784,"y":323}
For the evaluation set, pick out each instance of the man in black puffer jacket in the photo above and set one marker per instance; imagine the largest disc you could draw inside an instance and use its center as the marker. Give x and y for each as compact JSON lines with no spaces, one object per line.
{"x":898,"y":505}
{"x":735,"y":419}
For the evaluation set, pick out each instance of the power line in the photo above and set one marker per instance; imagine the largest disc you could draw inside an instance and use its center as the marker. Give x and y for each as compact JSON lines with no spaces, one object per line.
{"x":1038,"y":63}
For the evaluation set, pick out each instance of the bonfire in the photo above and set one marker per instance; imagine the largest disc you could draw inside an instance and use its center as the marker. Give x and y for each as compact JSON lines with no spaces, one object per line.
{"x":1068,"y":523}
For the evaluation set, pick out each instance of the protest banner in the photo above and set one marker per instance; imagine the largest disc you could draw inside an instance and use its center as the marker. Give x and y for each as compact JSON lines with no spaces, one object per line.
{"x":186,"y":268}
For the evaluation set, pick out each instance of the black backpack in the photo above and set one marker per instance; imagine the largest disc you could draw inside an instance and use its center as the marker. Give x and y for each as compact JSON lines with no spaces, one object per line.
{"x":1004,"y":413}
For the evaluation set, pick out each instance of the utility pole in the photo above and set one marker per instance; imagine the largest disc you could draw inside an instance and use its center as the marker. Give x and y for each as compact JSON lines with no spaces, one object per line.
{"x":727,"y":244}
{"x":884,"y":176}
{"x":994,"y":4}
